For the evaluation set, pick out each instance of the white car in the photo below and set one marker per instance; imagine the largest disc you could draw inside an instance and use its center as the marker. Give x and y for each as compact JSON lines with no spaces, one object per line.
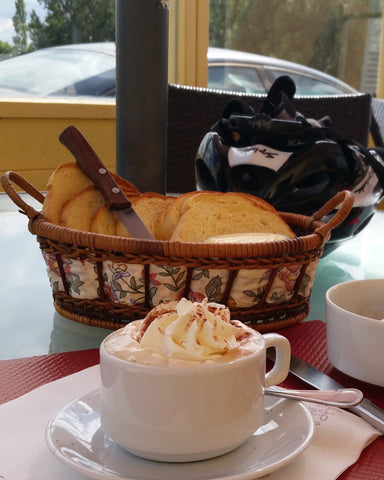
{"x":89,"y":70}
{"x":251,"y":73}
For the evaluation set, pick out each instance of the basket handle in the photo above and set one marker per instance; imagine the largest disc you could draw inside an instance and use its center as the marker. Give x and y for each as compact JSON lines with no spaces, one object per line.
{"x":7,"y":180}
{"x":345,"y":199}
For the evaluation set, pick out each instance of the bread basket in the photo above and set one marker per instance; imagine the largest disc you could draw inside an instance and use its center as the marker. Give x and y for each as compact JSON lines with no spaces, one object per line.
{"x":107,"y":281}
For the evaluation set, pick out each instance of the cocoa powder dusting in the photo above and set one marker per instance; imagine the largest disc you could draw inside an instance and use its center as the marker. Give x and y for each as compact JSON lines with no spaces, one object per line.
{"x":218,"y":310}
{"x":156,"y":312}
{"x":196,"y":314}
{"x":243,"y":334}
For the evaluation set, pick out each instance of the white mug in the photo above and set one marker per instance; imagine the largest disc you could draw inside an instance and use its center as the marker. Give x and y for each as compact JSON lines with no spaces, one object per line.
{"x":355,"y":341}
{"x":180,"y":414}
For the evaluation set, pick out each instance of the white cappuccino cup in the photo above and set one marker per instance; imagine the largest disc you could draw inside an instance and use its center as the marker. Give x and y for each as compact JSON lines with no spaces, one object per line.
{"x":187,"y":410}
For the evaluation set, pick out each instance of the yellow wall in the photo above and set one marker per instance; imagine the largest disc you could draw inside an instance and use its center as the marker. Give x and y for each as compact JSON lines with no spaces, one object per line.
{"x":29,"y":132}
{"x":189,"y":39}
{"x":380,"y":74}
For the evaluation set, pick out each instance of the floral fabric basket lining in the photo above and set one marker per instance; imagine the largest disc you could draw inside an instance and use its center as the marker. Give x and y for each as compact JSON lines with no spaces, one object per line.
{"x":108,"y":281}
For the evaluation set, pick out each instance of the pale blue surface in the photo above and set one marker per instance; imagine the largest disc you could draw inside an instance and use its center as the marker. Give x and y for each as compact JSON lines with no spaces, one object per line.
{"x":30,"y":326}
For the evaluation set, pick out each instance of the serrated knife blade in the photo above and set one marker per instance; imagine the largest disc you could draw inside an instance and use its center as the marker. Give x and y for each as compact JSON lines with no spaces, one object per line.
{"x":367,"y":410}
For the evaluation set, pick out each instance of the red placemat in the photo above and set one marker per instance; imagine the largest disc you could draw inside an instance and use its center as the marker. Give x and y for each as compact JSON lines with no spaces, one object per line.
{"x":22,"y":375}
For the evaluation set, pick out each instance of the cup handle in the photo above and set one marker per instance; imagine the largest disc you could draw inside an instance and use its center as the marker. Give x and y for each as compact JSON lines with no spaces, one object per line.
{"x":280,"y":369}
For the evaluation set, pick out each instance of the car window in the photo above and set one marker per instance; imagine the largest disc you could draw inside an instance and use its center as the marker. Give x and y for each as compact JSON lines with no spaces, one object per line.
{"x":102,"y":84}
{"x":230,"y":77}
{"x":46,"y":72}
{"x":306,"y":85}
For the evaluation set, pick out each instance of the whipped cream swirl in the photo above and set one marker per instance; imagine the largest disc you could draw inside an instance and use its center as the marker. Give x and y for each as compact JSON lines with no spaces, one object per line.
{"x":184,"y":333}
{"x":192,"y":331}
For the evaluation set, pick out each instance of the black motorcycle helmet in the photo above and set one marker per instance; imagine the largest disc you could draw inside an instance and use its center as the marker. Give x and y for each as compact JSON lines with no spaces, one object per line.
{"x":296,"y":164}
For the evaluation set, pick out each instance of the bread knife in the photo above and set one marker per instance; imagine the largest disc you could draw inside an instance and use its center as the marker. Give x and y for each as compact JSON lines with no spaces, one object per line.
{"x":96,"y":171}
{"x":367,"y":410}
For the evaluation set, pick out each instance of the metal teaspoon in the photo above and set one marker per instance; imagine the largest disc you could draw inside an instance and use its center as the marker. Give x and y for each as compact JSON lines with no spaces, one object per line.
{"x":342,"y":398}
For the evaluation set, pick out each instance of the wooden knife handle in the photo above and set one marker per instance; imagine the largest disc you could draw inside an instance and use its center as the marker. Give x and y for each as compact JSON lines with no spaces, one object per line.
{"x":94,"y":168}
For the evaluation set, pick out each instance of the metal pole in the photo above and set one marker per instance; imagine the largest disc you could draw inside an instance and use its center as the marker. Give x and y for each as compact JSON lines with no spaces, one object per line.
{"x":142,"y":92}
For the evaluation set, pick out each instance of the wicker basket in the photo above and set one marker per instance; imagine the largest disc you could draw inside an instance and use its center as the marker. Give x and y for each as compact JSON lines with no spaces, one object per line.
{"x":108,"y":281}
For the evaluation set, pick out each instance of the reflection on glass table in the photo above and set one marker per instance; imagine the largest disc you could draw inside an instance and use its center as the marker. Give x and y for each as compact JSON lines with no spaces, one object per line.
{"x":361,"y":257}
{"x":30,"y":325}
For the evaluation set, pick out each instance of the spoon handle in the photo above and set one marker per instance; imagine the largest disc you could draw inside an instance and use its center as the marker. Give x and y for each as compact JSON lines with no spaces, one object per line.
{"x":343,"y":398}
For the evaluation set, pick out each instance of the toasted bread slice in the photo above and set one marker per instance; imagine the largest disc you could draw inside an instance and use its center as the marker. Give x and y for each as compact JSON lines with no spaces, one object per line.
{"x":64,"y":183}
{"x":127,"y":187}
{"x":67,"y":181}
{"x":208,"y":215}
{"x":171,"y":216}
{"x":254,"y":237}
{"x":149,"y":206}
{"x":79,"y":210}
{"x":104,"y":221}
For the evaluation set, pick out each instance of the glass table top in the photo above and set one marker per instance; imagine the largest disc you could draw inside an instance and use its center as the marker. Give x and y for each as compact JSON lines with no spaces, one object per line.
{"x":30,"y":325}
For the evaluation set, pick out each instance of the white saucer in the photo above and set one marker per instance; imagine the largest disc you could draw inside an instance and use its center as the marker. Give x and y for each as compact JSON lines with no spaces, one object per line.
{"x":76,"y":438}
